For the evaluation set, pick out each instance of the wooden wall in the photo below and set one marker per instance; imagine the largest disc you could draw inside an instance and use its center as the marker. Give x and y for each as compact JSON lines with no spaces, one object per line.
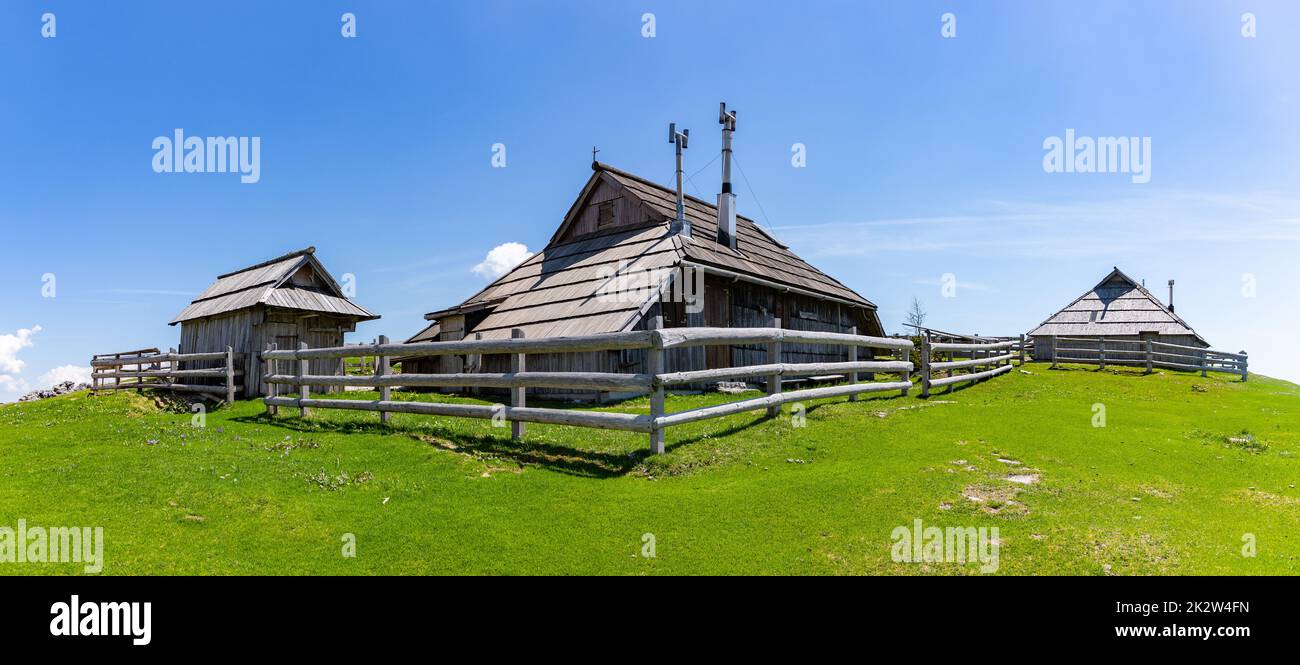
{"x":1043,"y":344}
{"x":627,"y":211}
{"x":727,"y":303}
{"x":249,"y":330}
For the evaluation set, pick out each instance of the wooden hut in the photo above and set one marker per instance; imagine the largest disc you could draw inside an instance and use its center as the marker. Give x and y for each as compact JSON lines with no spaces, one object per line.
{"x":1117,"y":309}
{"x":617,"y":262}
{"x":286,"y":300}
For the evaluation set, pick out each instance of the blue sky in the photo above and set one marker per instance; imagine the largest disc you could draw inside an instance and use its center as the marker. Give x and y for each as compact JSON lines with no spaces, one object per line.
{"x":924,"y":153}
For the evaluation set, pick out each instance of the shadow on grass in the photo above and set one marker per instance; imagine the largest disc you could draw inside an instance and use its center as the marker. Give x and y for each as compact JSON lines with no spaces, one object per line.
{"x":555,"y":457}
{"x":530,"y":452}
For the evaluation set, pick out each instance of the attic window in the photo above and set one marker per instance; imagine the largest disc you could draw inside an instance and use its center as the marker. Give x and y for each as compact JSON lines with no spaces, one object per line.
{"x":604,"y":214}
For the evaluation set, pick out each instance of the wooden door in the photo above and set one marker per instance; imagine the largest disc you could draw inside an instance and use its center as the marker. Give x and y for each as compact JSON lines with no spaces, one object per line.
{"x":717,"y":313}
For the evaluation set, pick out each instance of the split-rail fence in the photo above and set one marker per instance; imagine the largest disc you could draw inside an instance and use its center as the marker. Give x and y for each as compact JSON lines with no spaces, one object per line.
{"x":1146,"y":353}
{"x":147,"y":368}
{"x":655,"y":381}
{"x":967,"y":361}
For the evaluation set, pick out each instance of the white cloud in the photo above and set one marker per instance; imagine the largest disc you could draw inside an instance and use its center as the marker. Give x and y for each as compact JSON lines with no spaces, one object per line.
{"x":71,"y":373}
{"x":501,"y":259}
{"x":12,"y":386}
{"x":10,"y":344}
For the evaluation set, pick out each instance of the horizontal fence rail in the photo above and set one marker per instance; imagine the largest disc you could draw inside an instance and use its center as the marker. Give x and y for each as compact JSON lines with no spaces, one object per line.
{"x":160,"y":371}
{"x":982,"y":360}
{"x":1149,"y":354}
{"x":654,"y":381}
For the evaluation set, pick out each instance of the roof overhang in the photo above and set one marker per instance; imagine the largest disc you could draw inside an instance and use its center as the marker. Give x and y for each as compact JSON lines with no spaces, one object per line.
{"x":463,"y":309}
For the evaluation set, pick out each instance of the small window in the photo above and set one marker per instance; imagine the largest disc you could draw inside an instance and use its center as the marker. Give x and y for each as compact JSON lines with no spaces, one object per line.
{"x":605,"y":214}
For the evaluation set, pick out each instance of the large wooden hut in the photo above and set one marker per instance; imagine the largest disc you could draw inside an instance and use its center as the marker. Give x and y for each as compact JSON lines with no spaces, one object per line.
{"x":1117,"y":309}
{"x":618,"y":262}
{"x":286,"y":300}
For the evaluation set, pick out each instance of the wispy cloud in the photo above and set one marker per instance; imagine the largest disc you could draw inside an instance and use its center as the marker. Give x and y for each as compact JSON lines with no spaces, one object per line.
{"x":1074,"y":229}
{"x":143,"y":292}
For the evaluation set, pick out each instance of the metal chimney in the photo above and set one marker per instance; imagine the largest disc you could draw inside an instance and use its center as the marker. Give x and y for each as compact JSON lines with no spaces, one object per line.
{"x":726,"y":200}
{"x":681,"y":140}
{"x":1171,"y":295}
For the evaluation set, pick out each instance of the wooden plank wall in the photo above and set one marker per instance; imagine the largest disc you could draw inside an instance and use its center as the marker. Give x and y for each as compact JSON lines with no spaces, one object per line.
{"x":249,"y":330}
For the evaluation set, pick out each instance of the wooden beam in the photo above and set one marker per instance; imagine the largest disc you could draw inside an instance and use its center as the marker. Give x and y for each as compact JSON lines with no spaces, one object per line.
{"x":517,"y":395}
{"x":382,"y":369}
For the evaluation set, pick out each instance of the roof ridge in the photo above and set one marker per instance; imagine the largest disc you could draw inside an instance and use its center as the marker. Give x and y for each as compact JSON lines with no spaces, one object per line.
{"x":601,"y":166}
{"x":301,"y":252}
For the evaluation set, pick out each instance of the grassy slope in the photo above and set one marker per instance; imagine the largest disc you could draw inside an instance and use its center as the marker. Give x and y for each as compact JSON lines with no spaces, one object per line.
{"x":1160,"y":489}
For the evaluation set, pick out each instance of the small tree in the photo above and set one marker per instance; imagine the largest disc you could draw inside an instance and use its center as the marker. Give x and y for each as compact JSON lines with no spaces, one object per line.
{"x":916,"y":315}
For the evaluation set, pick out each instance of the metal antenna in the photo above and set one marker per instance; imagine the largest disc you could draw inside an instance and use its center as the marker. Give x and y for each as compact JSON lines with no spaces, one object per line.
{"x":682,"y":141}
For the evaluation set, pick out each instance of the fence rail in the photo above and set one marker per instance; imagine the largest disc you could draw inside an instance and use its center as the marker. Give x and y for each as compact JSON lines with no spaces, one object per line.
{"x":984,"y":360}
{"x":654,"y":381}
{"x":1150,"y":354}
{"x":161,"y":371}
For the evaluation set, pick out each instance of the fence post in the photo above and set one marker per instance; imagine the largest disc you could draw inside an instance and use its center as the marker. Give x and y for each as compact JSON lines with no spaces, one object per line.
{"x":268,"y":388}
{"x":925,"y":364}
{"x":906,"y":374}
{"x":654,"y":366}
{"x":1150,"y":356}
{"x":1022,"y":350}
{"x":1242,"y":363}
{"x":853,"y":357}
{"x":305,"y":390}
{"x":517,"y":395}
{"x":230,"y":376}
{"x":774,"y":380}
{"x":382,"y":368}
{"x":1101,"y":351}
{"x":1053,"y":351}
{"x":94,"y":376}
{"x":478,"y":363}
{"x":1204,"y":360}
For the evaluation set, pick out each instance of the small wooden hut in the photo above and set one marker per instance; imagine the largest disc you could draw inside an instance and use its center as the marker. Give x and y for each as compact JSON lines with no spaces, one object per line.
{"x":615,"y":263}
{"x":1117,"y":309}
{"x":286,"y":300}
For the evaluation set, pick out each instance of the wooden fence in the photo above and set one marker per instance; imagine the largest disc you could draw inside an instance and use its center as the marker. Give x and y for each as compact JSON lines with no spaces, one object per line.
{"x":1145,"y":353}
{"x":655,"y":381}
{"x":151,"y":369}
{"x":967,"y":361}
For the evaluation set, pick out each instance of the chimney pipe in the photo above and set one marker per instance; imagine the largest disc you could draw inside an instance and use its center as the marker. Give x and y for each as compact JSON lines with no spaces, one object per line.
{"x":680,"y":140}
{"x":1171,"y":295}
{"x":726,"y":200}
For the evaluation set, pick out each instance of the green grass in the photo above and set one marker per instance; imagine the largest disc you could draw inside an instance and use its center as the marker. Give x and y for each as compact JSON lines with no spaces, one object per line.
{"x":1163,"y":488}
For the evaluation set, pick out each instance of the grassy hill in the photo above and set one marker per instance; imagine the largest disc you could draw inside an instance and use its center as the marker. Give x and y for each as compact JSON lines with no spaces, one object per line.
{"x":1182,"y":469}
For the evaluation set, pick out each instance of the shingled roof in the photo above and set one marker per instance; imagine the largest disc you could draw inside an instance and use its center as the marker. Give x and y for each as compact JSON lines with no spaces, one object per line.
{"x":268,"y":283}
{"x":1117,"y":305}
{"x":556,"y":292}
